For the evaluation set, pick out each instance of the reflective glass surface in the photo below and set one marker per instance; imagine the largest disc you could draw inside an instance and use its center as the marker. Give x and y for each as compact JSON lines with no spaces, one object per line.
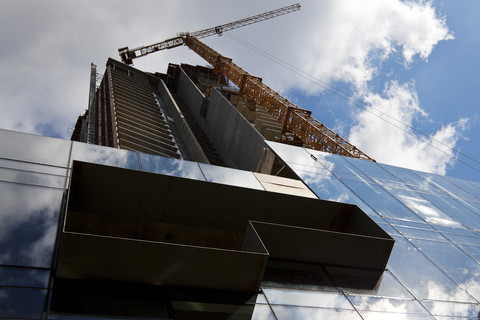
{"x":24,"y":277}
{"x":306,"y":298}
{"x":389,"y":228}
{"x":336,"y":164}
{"x":371,"y":169}
{"x":457,"y":264}
{"x":32,"y":148}
{"x":444,"y":185}
{"x":474,"y":252}
{"x":388,"y":286}
{"x":408,"y":176}
{"x":38,"y":179}
{"x":421,"y":234}
{"x":262,"y":312}
{"x":460,"y":239}
{"x":434,"y":268}
{"x":380,"y":200}
{"x":456,"y":211}
{"x":300,"y":313}
{"x":33,"y":167}
{"x":171,"y":167}
{"x":375,"y":315}
{"x":423,"y":208}
{"x":292,"y":154}
{"x":411,"y":224}
{"x":365,"y":303}
{"x":28,"y":224}
{"x":22,"y":303}
{"x":103,"y":155}
{"x":231,"y":177}
{"x":422,"y":277}
{"x":471,"y":187}
{"x":440,"y":308}
{"x":328,"y":187}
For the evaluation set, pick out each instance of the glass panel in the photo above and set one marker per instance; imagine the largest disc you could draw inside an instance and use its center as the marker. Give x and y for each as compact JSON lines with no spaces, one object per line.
{"x":472,"y":187}
{"x":371,"y":169}
{"x":464,"y":239}
{"x":408,"y":176}
{"x":28,"y":224}
{"x":458,"y":212}
{"x":262,"y":312}
{"x":302,"y":313}
{"x":39,"y":179}
{"x":388,"y":229}
{"x":32,"y":148}
{"x":261,"y":299}
{"x":443,"y":184}
{"x":104,"y":155}
{"x":23,"y":277}
{"x":171,"y":167}
{"x":317,"y":169}
{"x":381,"y":201}
{"x":306,"y":298}
{"x":291,"y":154}
{"x":423,"y":208}
{"x":387,"y":304}
{"x":438,"y":308}
{"x":411,"y":224}
{"x":387,"y":287}
{"x":33,"y":167}
{"x":420,"y":233}
{"x":22,"y":303}
{"x":421,"y":276}
{"x":335,"y":163}
{"x":374,"y":315}
{"x":472,"y":205}
{"x":328,"y":187}
{"x":447,"y":230}
{"x":472,"y":251}
{"x":231,"y":177}
{"x":458,"y":265}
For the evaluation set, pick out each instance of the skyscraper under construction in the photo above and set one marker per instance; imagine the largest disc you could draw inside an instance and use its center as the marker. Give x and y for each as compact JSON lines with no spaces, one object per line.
{"x":182,"y":196}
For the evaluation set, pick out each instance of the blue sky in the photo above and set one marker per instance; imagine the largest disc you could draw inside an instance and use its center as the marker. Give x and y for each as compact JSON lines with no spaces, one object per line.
{"x":415,"y":60}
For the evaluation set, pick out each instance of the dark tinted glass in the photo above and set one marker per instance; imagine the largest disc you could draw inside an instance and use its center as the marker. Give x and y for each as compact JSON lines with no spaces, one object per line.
{"x":23,"y":277}
{"x":28,"y":224}
{"x":22,"y":303}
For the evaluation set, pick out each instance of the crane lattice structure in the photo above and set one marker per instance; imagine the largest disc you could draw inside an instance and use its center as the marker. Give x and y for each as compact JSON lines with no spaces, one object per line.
{"x":311,"y":132}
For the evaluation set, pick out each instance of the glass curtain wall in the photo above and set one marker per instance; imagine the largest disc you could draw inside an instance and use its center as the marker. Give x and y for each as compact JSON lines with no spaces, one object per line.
{"x":433,"y":271}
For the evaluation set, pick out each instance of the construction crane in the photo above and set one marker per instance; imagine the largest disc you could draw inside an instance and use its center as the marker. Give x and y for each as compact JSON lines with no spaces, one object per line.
{"x":295,"y":120}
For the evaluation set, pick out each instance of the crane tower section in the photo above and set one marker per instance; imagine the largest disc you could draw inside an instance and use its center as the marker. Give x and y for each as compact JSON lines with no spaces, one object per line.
{"x":295,"y":120}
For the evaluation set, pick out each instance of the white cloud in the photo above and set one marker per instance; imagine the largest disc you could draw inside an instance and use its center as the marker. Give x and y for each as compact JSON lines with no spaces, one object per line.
{"x":49,"y":47}
{"x":348,"y":42}
{"x":349,"y":39}
{"x":396,"y":144}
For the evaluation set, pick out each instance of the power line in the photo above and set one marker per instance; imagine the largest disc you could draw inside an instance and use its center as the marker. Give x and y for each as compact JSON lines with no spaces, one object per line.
{"x":357,"y":102}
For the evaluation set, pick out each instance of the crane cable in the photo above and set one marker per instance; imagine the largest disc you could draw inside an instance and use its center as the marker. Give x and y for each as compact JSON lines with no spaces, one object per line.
{"x":359,"y":103}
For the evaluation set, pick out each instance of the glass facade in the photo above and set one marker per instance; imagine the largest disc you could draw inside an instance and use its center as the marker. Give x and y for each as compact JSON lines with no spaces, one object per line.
{"x":433,"y":271}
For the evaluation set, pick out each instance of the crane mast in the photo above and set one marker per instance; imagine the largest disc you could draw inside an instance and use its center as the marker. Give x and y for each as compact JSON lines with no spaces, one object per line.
{"x":295,"y":120}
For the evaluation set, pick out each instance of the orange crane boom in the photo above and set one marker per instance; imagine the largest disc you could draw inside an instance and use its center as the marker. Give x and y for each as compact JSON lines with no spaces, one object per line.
{"x":295,"y":120}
